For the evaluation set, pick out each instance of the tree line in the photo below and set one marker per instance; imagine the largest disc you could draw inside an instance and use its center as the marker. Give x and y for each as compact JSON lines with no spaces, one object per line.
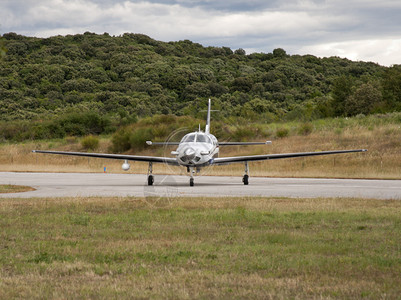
{"x":122,"y":78}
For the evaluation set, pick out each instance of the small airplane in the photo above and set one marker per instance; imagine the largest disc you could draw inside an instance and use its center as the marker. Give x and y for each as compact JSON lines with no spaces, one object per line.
{"x":195,"y":151}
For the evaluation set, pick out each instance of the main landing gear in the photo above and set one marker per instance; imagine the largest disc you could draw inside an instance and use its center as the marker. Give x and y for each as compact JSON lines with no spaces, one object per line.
{"x":150,"y":176}
{"x":245,"y":179}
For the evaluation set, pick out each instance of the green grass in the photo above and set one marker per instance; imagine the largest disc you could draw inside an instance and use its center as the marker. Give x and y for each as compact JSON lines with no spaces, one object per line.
{"x":7,"y":188}
{"x":200,"y":248}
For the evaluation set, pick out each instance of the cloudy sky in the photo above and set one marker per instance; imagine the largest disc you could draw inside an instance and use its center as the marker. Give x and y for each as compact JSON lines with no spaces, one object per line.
{"x":367,"y":30}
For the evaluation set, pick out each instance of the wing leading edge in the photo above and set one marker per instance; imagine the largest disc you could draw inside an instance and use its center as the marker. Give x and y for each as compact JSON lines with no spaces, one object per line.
{"x":216,"y":161}
{"x":239,"y":159}
{"x":150,"y":143}
{"x":153,"y":159}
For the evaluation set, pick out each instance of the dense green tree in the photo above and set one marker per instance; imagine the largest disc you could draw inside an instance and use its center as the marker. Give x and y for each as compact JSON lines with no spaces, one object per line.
{"x":259,"y":106}
{"x":341,"y":90}
{"x":279,"y":53}
{"x":2,"y":49}
{"x":363,"y":100}
{"x":242,"y":84}
{"x":392,"y":87}
{"x":79,"y":85}
{"x":240,"y":51}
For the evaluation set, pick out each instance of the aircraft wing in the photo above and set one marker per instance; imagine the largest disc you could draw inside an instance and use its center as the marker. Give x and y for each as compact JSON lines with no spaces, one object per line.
{"x":239,"y":159}
{"x":153,"y":159}
{"x":150,"y":143}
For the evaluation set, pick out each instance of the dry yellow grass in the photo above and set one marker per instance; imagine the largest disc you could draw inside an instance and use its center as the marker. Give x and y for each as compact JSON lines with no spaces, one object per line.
{"x":383,"y":160}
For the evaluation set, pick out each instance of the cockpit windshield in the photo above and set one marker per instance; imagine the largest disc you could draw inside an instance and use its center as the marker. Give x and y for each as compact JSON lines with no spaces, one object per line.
{"x":196,"y":138}
{"x":203,"y":138}
{"x":189,"y":138}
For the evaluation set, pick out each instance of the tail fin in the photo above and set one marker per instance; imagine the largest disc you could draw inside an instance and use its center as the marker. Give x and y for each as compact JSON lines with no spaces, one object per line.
{"x":207,"y":128}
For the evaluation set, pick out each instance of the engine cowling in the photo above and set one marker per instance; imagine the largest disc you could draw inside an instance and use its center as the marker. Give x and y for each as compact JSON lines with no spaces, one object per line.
{"x":125,"y":166}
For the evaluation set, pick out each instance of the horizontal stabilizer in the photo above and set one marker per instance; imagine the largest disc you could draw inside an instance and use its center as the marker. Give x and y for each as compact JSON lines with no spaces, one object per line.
{"x":243,"y":143}
{"x":150,"y":143}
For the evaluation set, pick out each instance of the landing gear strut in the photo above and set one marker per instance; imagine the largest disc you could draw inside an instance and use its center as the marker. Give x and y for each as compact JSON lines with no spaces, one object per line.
{"x":246,"y":176}
{"x":191,"y":172}
{"x":150,"y":176}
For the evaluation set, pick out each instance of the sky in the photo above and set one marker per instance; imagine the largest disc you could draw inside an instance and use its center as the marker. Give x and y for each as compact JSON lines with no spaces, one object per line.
{"x":360,"y":30}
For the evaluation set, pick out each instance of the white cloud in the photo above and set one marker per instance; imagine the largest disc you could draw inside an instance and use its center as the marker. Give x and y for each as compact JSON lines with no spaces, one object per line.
{"x":162,"y":21}
{"x":383,"y":51}
{"x":356,"y":29}
{"x":63,"y":12}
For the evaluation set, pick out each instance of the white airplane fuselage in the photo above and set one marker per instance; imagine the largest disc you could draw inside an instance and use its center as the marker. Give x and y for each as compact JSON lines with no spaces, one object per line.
{"x":197,"y":149}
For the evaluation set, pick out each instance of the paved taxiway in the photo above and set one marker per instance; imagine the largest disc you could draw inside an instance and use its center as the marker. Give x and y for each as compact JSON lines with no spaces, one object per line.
{"x":98,"y":184}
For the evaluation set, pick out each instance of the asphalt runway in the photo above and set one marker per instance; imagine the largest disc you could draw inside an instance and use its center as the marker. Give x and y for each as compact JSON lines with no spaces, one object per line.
{"x":122,"y":185}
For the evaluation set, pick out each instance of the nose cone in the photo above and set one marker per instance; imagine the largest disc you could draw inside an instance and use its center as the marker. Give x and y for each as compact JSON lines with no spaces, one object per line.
{"x":189,"y":153}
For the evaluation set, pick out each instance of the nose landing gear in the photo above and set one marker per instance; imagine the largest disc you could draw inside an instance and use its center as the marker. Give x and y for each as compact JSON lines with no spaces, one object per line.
{"x":191,"y":180}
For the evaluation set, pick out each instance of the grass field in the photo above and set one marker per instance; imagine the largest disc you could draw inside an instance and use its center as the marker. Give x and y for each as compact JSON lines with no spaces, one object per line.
{"x":6,"y":188}
{"x":79,"y":248}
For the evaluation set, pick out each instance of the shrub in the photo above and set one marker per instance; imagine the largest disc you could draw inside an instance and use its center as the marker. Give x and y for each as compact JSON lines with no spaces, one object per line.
{"x":121,"y":140}
{"x":282,"y":132}
{"x":78,"y":124}
{"x":90,"y":142}
{"x":139,"y":137}
{"x":243,"y":133}
{"x":305,"y":129}
{"x":160,"y":131}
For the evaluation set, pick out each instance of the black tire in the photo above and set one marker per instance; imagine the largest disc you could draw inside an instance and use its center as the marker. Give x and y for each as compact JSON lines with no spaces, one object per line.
{"x":150,"y":180}
{"x":191,"y":182}
{"x":245,"y":180}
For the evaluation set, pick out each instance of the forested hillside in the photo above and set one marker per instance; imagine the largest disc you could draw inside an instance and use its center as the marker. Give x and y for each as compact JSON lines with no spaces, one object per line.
{"x":89,"y":83}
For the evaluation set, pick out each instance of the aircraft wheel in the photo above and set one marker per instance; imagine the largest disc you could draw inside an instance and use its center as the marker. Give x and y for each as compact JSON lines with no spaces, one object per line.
{"x":150,"y":180}
{"x":245,"y":179}
{"x":191,"y":182}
